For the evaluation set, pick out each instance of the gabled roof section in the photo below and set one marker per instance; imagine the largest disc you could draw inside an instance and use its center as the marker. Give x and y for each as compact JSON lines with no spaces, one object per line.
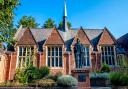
{"x":54,"y":38}
{"x":26,"y":38}
{"x":106,"y":38}
{"x":82,"y":36}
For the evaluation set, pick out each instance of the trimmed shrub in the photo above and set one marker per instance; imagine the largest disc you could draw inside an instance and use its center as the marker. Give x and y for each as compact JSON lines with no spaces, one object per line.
{"x":46,"y":82}
{"x":105,"y":68}
{"x":119,"y":79}
{"x":67,"y":81}
{"x":44,"y":71}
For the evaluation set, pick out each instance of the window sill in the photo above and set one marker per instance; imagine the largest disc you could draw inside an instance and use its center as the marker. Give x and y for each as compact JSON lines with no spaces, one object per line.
{"x":56,"y":67}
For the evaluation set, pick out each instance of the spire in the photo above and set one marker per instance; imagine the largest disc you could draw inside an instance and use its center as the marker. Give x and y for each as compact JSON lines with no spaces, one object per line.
{"x":65,"y":27}
{"x":65,"y":9}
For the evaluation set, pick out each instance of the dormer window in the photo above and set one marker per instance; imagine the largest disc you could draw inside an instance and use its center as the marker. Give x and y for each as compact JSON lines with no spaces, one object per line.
{"x":108,"y":55}
{"x":25,"y":56}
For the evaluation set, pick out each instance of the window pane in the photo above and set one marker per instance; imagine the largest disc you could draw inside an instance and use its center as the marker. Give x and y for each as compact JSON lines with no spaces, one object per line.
{"x":60,"y":54}
{"x":113,"y":61}
{"x":56,"y":61}
{"x":60,"y":49}
{"x":20,"y":51}
{"x":52,"y":51}
{"x":27,"y":61}
{"x":48,"y":48}
{"x":52,"y":61}
{"x":106,"y":59}
{"x":110,"y":62}
{"x":48,"y":61}
{"x":19,"y":64}
{"x":88,"y":62}
{"x":24,"y":51}
{"x":56,"y":51}
{"x":23,"y":62}
{"x":60,"y":62}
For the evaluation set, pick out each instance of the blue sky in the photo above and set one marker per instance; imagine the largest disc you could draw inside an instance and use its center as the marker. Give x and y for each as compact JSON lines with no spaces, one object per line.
{"x":87,"y":13}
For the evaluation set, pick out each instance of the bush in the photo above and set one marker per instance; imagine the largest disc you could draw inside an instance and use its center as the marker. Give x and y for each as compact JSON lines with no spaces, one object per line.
{"x":119,"y":79}
{"x":54,"y":77}
{"x":99,"y":76}
{"x":46,"y":82}
{"x":44,"y":71}
{"x":20,"y":76}
{"x":32,"y":73}
{"x":67,"y":81}
{"x":105,"y":68}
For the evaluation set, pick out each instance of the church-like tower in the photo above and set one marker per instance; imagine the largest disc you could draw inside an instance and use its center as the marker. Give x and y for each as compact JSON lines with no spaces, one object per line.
{"x":65,"y":27}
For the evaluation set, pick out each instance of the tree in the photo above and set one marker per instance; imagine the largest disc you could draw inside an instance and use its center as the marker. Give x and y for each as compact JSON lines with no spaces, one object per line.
{"x":68,"y":23}
{"x":28,"y":21}
{"x":6,"y":20}
{"x":49,"y":23}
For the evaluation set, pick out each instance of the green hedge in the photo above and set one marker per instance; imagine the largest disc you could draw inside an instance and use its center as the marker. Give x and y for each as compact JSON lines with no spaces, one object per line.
{"x":119,"y":79}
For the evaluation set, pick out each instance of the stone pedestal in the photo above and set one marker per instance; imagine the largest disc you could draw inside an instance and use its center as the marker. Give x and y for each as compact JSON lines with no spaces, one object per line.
{"x":83,"y":78}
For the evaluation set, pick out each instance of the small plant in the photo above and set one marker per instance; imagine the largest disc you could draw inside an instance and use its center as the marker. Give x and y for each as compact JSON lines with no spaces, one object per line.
{"x":67,"y":81}
{"x":46,"y":82}
{"x":105,"y":68}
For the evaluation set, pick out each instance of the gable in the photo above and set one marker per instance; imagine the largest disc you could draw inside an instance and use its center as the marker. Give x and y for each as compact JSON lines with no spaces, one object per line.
{"x":27,"y":38}
{"x":106,"y":38}
{"x":82,"y":36}
{"x":54,"y":38}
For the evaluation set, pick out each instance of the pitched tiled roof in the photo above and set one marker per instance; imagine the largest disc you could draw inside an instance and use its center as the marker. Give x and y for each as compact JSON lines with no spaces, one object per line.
{"x":54,"y":38}
{"x":26,"y":38}
{"x":106,"y":38}
{"x":41,"y":35}
{"x":123,"y":41}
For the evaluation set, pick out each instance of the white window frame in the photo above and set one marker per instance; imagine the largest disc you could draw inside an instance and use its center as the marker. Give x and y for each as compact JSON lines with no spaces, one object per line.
{"x":54,"y":67}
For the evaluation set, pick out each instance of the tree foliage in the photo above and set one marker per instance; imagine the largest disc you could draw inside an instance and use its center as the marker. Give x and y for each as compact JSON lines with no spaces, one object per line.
{"x":61,"y":25}
{"x":50,"y":23}
{"x":6,"y":20}
{"x":28,"y":21}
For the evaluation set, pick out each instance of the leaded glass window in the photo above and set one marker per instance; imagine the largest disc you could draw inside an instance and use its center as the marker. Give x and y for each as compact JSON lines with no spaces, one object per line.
{"x":54,"y":57}
{"x":108,"y":56}
{"x":25,"y":56}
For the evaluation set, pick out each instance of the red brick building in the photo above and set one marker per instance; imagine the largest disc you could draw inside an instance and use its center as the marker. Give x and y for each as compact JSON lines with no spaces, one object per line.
{"x":62,"y":50}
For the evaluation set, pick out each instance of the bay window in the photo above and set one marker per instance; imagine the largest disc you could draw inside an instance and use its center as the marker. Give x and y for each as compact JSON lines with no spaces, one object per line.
{"x":54,"y":56}
{"x":25,"y":55}
{"x":108,"y":55}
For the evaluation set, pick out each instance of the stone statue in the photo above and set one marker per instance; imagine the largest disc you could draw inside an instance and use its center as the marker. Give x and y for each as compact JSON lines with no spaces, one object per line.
{"x":79,"y":54}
